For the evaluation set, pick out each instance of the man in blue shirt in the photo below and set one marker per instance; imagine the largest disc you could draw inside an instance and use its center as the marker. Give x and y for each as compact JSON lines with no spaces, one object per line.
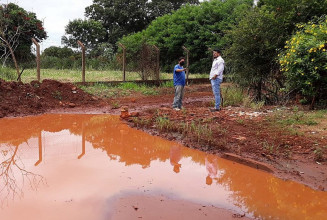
{"x":179,"y":83}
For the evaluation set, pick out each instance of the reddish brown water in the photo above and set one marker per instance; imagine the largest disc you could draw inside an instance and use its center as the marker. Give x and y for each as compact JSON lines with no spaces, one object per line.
{"x":80,"y":166}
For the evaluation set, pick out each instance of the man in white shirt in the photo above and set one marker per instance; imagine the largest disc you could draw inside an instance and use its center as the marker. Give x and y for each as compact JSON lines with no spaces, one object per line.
{"x":216,"y":77}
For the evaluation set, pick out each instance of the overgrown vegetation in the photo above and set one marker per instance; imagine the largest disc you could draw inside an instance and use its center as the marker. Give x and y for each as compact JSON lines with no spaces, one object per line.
{"x":257,"y":39}
{"x":304,"y":61}
{"x":7,"y":74}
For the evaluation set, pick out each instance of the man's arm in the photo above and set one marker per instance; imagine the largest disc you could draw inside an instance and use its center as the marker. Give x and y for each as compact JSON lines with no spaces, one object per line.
{"x":180,"y":70}
{"x":218,"y":70}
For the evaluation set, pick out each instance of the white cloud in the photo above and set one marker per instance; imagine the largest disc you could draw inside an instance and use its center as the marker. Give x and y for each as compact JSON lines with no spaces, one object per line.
{"x":55,"y":14}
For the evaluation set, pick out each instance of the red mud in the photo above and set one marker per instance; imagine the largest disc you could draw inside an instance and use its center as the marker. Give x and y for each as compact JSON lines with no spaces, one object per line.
{"x":235,"y":130}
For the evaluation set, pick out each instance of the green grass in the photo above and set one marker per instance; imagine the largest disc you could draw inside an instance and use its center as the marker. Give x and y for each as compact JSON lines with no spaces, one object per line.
{"x":123,"y":89}
{"x":233,"y":96}
{"x":297,"y":117}
{"x":8,"y":74}
{"x":76,"y":75}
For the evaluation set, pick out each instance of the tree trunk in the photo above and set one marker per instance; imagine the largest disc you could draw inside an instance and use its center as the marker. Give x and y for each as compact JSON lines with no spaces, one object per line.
{"x":12,"y":55}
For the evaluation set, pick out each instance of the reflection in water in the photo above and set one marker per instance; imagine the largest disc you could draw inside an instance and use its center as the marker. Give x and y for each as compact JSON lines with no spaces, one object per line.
{"x":175,"y":156}
{"x":71,"y":152}
{"x":14,"y":175}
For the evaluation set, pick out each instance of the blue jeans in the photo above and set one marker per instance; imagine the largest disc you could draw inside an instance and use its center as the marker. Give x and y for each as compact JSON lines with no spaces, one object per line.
{"x":179,"y":94}
{"x":215,"y":83}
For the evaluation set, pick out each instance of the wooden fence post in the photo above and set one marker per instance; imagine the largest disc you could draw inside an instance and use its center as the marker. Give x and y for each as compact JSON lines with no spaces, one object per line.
{"x":38,"y":60}
{"x":187,"y":62}
{"x":157,"y":70}
{"x":124,"y":61}
{"x":83,"y":60}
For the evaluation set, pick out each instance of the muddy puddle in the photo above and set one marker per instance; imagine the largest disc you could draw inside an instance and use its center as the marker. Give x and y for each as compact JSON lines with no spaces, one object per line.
{"x":96,"y":167}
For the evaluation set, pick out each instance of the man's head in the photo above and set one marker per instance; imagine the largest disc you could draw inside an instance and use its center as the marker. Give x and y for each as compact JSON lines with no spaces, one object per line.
{"x":181,"y":61}
{"x":216,"y":53}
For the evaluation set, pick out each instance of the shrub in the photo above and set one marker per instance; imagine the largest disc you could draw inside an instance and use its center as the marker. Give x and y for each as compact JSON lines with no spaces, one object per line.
{"x":304,"y":62}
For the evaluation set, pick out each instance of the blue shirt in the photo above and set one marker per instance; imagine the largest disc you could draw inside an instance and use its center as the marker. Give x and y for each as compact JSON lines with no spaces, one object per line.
{"x":179,"y":77}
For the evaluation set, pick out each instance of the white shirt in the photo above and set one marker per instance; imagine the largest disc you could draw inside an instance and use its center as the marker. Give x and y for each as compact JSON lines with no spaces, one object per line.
{"x":217,"y":68}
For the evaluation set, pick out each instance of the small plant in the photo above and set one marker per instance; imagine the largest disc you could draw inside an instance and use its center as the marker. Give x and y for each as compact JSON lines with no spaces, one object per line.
{"x":233,"y":96}
{"x":140,"y":122}
{"x":115,"y":104}
{"x":269,"y":147}
{"x":57,"y":95}
{"x":167,"y":84}
{"x":247,"y":102}
{"x":319,"y":153}
{"x":287,"y":151}
{"x":257,"y":105}
{"x":240,"y":121}
{"x":202,"y":131}
{"x":163,"y":123}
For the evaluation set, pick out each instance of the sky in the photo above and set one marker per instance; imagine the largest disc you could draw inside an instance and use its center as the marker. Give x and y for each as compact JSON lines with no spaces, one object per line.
{"x":55,"y":15}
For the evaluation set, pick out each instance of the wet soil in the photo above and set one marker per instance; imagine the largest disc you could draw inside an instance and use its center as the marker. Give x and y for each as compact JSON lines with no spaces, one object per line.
{"x":160,"y":207}
{"x":243,"y":132}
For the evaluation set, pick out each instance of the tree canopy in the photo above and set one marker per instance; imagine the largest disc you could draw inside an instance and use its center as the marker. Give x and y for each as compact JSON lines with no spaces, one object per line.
{"x":118,"y":18}
{"x":18,"y":27}
{"x":90,"y":32}
{"x":198,"y":28}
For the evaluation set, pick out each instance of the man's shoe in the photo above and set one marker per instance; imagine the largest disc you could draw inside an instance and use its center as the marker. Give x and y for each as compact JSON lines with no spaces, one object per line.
{"x":214,"y":110}
{"x":177,"y":109}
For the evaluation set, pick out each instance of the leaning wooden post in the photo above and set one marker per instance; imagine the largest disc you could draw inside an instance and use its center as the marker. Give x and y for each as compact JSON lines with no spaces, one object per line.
{"x":83,"y":60}
{"x":157,"y":71}
{"x":38,"y":60}
{"x":124,"y":61}
{"x":187,"y":62}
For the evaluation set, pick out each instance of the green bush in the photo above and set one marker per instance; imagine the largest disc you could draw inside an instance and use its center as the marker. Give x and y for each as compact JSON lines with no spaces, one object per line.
{"x":304,"y":62}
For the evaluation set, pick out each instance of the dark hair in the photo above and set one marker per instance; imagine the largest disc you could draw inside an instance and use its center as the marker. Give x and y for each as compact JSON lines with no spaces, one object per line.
{"x":181,"y":58}
{"x":217,"y":50}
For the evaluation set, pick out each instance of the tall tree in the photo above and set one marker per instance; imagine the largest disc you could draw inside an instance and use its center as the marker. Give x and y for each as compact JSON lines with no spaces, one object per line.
{"x":121,"y":17}
{"x":197,"y":27}
{"x":90,"y":32}
{"x":17,"y":28}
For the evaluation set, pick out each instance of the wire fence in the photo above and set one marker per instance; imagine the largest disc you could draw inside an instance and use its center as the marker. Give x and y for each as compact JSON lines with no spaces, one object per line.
{"x":141,"y":66}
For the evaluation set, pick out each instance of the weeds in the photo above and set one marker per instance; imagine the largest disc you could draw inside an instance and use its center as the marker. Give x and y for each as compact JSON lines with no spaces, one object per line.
{"x":57,"y":95}
{"x":233,"y":96}
{"x":248,"y":102}
{"x":140,"y":122}
{"x":198,"y":130}
{"x":145,"y":90}
{"x":115,"y":104}
{"x":297,"y":118}
{"x":167,"y":84}
{"x":163,"y":123}
{"x":269,"y":147}
{"x":240,"y":121}
{"x":319,"y":153}
{"x":7,"y":74}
